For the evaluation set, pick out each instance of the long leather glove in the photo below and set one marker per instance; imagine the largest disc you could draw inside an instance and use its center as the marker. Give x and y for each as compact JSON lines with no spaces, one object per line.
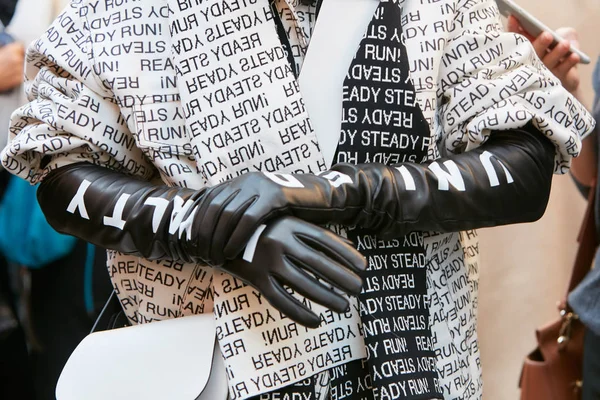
{"x":306,"y":258}
{"x":506,"y":180}
{"x":156,"y":222}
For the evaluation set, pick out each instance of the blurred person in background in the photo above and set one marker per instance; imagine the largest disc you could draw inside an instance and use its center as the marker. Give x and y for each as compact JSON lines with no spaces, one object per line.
{"x":585,"y":299}
{"x":15,"y":373}
{"x":12,"y":57}
{"x":49,"y":307}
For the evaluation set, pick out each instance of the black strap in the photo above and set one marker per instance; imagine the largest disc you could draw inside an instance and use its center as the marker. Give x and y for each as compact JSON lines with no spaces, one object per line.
{"x":587,"y":244}
{"x":112,"y":315}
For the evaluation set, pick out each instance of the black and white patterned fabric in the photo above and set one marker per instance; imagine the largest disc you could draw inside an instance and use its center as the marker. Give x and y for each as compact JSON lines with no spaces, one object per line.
{"x":381,"y":122}
{"x":191,"y":93}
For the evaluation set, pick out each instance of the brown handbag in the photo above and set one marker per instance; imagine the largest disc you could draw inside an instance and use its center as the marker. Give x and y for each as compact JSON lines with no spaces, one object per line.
{"x":553,"y":371}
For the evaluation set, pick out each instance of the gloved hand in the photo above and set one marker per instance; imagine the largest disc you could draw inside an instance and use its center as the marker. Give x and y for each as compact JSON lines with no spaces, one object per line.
{"x":123,"y":213}
{"x":135,"y":217}
{"x":506,"y":180}
{"x":294,"y":253}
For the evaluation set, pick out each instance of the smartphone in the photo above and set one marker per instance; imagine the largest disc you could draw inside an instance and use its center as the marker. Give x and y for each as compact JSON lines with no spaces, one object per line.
{"x":534,"y":26}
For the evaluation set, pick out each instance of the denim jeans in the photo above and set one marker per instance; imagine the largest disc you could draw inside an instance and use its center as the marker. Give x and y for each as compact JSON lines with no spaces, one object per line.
{"x":591,"y":367}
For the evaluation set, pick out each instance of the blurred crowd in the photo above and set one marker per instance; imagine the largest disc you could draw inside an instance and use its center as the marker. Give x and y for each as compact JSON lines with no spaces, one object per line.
{"x":51,"y":285}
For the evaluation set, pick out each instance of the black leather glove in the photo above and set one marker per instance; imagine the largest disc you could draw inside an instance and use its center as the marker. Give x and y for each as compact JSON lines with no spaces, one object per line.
{"x":119,"y":212}
{"x":506,"y":180}
{"x":294,"y":253}
{"x":135,"y":217}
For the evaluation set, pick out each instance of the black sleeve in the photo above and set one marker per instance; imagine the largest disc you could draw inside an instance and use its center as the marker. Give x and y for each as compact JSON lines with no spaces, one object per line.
{"x":506,"y":180}
{"x":119,"y":212}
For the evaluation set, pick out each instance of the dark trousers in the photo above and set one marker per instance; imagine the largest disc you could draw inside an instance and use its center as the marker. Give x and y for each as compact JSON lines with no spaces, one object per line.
{"x":16,"y":382}
{"x":59,"y":317}
{"x":591,"y":367}
{"x":58,"y":314}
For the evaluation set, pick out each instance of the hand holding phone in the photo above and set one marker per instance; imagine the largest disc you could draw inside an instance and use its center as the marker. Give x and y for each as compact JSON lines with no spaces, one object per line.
{"x":534,"y":26}
{"x":559,"y":60}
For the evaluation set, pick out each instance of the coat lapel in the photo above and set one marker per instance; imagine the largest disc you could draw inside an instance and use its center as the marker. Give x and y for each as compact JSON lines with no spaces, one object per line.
{"x":242,"y":103}
{"x":337,"y":35}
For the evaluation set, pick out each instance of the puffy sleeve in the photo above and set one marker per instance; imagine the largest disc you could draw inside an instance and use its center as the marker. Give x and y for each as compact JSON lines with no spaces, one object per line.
{"x":493,"y":80}
{"x":71,"y":116}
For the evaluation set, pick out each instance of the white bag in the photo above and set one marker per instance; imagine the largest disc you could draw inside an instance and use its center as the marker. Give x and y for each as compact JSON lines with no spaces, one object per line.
{"x":157,"y":361}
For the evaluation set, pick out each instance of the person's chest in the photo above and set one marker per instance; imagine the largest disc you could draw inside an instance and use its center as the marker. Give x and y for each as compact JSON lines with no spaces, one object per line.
{"x":133,"y":56}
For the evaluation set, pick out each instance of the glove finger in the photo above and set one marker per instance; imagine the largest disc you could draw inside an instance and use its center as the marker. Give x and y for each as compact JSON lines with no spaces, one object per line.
{"x":332,"y":245}
{"x":272,"y":291}
{"x":308,"y":286}
{"x":280,"y":299}
{"x":246,"y":226}
{"x":228,"y":221}
{"x":208,"y":224}
{"x":326,"y":269}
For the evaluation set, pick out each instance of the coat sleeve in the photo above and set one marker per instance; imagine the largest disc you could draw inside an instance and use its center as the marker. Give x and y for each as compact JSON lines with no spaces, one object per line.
{"x":493,"y":80}
{"x":71,"y":115}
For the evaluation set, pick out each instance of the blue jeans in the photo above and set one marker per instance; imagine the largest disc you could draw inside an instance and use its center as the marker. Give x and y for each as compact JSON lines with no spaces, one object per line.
{"x":591,"y":367}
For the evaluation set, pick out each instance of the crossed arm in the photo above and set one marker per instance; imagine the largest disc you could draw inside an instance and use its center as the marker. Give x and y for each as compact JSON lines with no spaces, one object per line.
{"x":506,"y":180}
{"x":88,"y":189}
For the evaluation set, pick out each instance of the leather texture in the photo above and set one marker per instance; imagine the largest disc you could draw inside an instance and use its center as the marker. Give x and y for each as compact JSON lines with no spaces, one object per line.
{"x":306,"y":258}
{"x":151,"y":223}
{"x":123,"y":213}
{"x":506,"y":180}
{"x":551,"y":372}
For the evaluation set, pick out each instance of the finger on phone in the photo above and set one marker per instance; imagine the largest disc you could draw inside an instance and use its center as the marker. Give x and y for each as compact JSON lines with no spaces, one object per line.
{"x":542,"y":43}
{"x":557,"y":54}
{"x":514,"y":25}
{"x":571,"y":61}
{"x":569,"y":34}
